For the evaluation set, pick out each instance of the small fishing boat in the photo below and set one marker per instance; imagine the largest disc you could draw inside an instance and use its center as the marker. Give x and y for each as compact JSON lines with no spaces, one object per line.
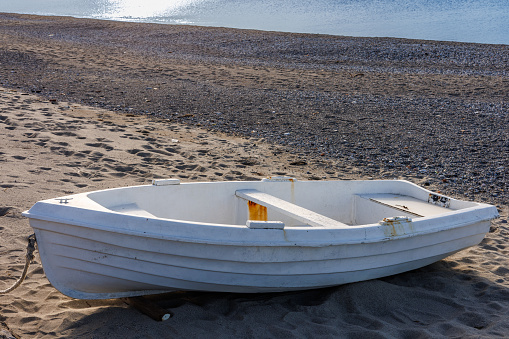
{"x":273,"y":235}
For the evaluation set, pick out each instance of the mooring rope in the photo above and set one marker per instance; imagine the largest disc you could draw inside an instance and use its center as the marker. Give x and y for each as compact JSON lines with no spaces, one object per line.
{"x":29,"y":257}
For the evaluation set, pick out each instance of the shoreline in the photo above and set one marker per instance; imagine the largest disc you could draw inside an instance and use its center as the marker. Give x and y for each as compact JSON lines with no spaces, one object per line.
{"x":88,"y":104}
{"x":494,"y":41}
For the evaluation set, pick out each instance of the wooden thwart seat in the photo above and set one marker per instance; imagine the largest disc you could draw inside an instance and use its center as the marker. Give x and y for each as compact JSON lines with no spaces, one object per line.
{"x":294,"y":211}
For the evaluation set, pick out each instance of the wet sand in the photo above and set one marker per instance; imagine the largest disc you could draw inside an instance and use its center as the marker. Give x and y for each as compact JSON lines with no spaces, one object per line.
{"x":90,"y":104}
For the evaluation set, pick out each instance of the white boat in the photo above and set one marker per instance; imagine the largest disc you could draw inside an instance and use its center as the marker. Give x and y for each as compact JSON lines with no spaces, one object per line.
{"x":254,"y":236}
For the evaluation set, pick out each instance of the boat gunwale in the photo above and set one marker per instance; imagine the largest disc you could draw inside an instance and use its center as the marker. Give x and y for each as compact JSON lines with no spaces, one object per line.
{"x":271,"y":243}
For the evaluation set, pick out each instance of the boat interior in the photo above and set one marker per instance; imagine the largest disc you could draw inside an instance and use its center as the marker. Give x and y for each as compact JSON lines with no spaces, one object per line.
{"x":278,"y":204}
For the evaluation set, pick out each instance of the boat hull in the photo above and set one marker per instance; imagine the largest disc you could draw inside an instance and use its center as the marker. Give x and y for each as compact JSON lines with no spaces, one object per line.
{"x":103,"y":265}
{"x":101,"y":255}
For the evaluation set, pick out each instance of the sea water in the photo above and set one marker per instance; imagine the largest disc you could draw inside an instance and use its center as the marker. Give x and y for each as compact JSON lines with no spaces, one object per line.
{"x":483,"y":21}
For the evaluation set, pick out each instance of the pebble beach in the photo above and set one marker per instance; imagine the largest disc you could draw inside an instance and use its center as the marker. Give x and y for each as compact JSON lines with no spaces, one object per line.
{"x":89,"y":104}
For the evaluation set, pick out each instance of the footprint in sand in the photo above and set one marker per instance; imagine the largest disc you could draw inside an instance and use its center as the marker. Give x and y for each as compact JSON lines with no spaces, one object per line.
{"x":65,"y":134}
{"x":100,"y":145}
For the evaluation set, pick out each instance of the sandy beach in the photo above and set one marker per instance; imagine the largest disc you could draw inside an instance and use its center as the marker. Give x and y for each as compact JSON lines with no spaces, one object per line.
{"x":87,"y":105}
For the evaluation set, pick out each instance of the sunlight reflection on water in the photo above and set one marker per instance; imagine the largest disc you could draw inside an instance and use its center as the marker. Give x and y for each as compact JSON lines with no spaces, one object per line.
{"x":137,"y":9}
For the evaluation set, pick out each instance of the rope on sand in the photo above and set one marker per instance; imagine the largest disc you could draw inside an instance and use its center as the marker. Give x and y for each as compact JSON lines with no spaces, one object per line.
{"x":29,"y":257}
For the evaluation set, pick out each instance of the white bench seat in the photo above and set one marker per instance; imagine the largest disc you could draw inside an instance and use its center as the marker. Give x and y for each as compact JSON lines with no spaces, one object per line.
{"x":132,"y":209}
{"x":301,"y":214}
{"x":406,"y":204}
